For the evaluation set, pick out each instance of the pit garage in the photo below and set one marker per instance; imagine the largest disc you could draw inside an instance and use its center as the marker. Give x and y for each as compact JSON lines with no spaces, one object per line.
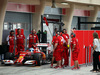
{"x":29,"y":50}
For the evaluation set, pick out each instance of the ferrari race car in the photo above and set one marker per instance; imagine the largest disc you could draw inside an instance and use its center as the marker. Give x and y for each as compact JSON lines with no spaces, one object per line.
{"x":30,"y":56}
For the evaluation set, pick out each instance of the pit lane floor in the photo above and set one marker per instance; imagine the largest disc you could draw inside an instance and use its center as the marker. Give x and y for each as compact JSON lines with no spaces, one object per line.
{"x":44,"y":70}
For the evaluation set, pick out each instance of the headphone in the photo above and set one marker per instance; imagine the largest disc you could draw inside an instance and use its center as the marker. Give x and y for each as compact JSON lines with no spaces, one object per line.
{"x":73,"y":35}
{"x":56,"y":35}
{"x":66,"y":31}
{"x":60,"y":33}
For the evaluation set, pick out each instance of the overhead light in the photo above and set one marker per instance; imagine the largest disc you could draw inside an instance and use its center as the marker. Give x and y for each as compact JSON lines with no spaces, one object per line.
{"x":64,"y":3}
{"x":90,"y":6}
{"x":47,"y":16}
{"x":53,"y":4}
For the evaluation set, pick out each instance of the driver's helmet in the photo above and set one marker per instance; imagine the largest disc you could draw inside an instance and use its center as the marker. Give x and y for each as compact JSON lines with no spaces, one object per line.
{"x":31,"y":49}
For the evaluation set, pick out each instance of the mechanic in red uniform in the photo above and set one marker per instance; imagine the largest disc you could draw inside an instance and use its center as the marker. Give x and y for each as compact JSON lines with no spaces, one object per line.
{"x":53,"y":43}
{"x":10,"y":40}
{"x":66,"y":48}
{"x":58,"y":47}
{"x":32,"y":38}
{"x":65,"y":52}
{"x":75,"y":51}
{"x":20,"y":41}
{"x":65,"y":32}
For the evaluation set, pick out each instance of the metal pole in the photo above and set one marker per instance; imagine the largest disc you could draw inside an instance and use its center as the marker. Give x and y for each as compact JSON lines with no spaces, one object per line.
{"x":42,"y":23}
{"x":91,"y":55}
{"x":86,"y":56}
{"x":79,"y":23}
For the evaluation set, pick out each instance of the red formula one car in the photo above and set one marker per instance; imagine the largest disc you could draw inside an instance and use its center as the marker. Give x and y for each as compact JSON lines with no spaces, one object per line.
{"x":30,"y":56}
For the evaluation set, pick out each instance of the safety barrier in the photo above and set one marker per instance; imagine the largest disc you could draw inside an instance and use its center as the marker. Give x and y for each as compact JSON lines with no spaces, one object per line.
{"x":85,"y":39}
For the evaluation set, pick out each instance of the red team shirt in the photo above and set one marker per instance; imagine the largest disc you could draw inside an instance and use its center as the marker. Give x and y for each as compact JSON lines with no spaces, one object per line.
{"x":20,"y":38}
{"x":59,"y":48}
{"x":60,"y":40}
{"x":76,"y":49}
{"x":33,"y":38}
{"x":67,"y":35}
{"x":10,"y":40}
{"x":75,"y":41}
{"x":54,"y":37}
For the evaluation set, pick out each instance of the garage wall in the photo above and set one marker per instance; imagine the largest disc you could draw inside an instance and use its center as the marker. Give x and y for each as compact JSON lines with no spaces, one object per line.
{"x":15,"y":17}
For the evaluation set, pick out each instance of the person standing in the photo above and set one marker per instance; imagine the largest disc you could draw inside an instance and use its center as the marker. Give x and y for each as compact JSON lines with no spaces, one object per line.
{"x":96,"y":52}
{"x":10,"y":41}
{"x":53,"y":43}
{"x":75,"y":51}
{"x":20,"y":41}
{"x":55,"y":32}
{"x":58,"y":47}
{"x":65,"y":32}
{"x":65,"y":51}
{"x":32,"y":38}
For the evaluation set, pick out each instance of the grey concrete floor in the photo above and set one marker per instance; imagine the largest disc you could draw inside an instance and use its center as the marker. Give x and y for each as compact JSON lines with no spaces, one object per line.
{"x":44,"y":70}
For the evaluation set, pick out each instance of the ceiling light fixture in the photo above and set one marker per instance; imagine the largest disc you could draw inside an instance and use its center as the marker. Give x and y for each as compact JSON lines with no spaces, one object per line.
{"x":90,"y":6}
{"x":64,"y":3}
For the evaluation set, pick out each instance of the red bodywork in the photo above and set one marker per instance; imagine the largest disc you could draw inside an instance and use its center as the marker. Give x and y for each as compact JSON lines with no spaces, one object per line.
{"x":22,"y":54}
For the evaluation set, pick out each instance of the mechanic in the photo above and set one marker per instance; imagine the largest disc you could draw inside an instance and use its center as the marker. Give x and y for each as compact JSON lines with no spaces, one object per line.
{"x":20,"y":41}
{"x":32,"y":38}
{"x":65,"y":52}
{"x":65,"y":32}
{"x":53,"y":43}
{"x":75,"y":51}
{"x":10,"y":41}
{"x":58,"y":47}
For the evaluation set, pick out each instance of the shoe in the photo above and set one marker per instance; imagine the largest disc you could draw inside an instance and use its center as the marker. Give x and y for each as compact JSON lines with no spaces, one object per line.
{"x":93,"y":71}
{"x":74,"y":68}
{"x":98,"y":70}
{"x":78,"y":67}
{"x":51,"y":66}
{"x":56,"y":67}
{"x":63,"y":66}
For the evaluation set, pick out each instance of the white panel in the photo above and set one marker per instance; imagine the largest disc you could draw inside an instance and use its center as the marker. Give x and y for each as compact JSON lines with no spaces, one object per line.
{"x":49,"y":30}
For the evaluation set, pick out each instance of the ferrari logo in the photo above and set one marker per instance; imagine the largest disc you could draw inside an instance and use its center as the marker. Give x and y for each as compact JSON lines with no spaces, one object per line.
{"x":21,"y":57}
